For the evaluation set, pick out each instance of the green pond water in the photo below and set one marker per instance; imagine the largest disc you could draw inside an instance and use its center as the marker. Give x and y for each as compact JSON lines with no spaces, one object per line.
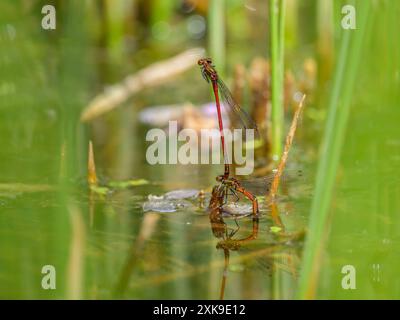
{"x":106,"y":246}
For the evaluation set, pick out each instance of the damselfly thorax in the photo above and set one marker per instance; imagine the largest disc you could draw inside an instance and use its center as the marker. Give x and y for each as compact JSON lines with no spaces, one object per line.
{"x":208,"y":69}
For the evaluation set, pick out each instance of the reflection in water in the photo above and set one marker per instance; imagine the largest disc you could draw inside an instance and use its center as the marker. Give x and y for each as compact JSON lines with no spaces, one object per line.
{"x":267,"y":255}
{"x":277,"y":257}
{"x":221,"y":231}
{"x":76,"y":252}
{"x":146,"y":230}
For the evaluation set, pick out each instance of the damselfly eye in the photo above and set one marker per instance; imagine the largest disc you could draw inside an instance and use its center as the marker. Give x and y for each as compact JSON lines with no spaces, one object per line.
{"x":200,"y":62}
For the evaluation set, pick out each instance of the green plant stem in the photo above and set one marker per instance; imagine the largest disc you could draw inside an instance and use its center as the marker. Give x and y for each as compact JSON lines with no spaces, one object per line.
{"x":216,"y":33}
{"x":277,"y":17}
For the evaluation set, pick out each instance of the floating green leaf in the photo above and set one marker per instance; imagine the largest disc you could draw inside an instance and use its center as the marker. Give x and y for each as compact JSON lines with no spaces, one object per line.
{"x":275,"y":229}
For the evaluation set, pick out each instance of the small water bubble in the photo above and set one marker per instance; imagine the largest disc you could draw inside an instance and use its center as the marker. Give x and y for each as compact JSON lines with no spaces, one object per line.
{"x":196,"y":26}
{"x":298,"y":96}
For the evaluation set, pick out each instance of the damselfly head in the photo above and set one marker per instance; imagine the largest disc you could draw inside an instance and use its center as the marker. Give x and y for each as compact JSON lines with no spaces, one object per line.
{"x":204,"y":61}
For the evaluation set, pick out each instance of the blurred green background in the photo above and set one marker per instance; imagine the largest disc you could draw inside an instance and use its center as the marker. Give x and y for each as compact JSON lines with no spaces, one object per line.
{"x":102,"y":244}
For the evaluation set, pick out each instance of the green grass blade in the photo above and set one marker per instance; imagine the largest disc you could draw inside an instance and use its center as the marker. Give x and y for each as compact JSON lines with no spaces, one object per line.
{"x":339,"y":106}
{"x":216,"y":33}
{"x":277,"y":16}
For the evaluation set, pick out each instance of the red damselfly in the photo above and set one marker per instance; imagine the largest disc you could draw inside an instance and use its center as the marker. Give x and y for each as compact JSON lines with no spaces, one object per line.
{"x":228,"y":185}
{"x":230,"y":188}
{"x":234,"y":111}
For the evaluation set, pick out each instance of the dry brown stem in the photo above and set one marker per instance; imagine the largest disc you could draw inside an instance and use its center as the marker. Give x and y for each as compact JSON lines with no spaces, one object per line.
{"x":285,"y":154}
{"x":92,"y":177}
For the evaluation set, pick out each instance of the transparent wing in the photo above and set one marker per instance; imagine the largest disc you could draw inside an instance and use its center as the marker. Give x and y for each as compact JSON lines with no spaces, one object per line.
{"x":261,"y":185}
{"x":235,"y":112}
